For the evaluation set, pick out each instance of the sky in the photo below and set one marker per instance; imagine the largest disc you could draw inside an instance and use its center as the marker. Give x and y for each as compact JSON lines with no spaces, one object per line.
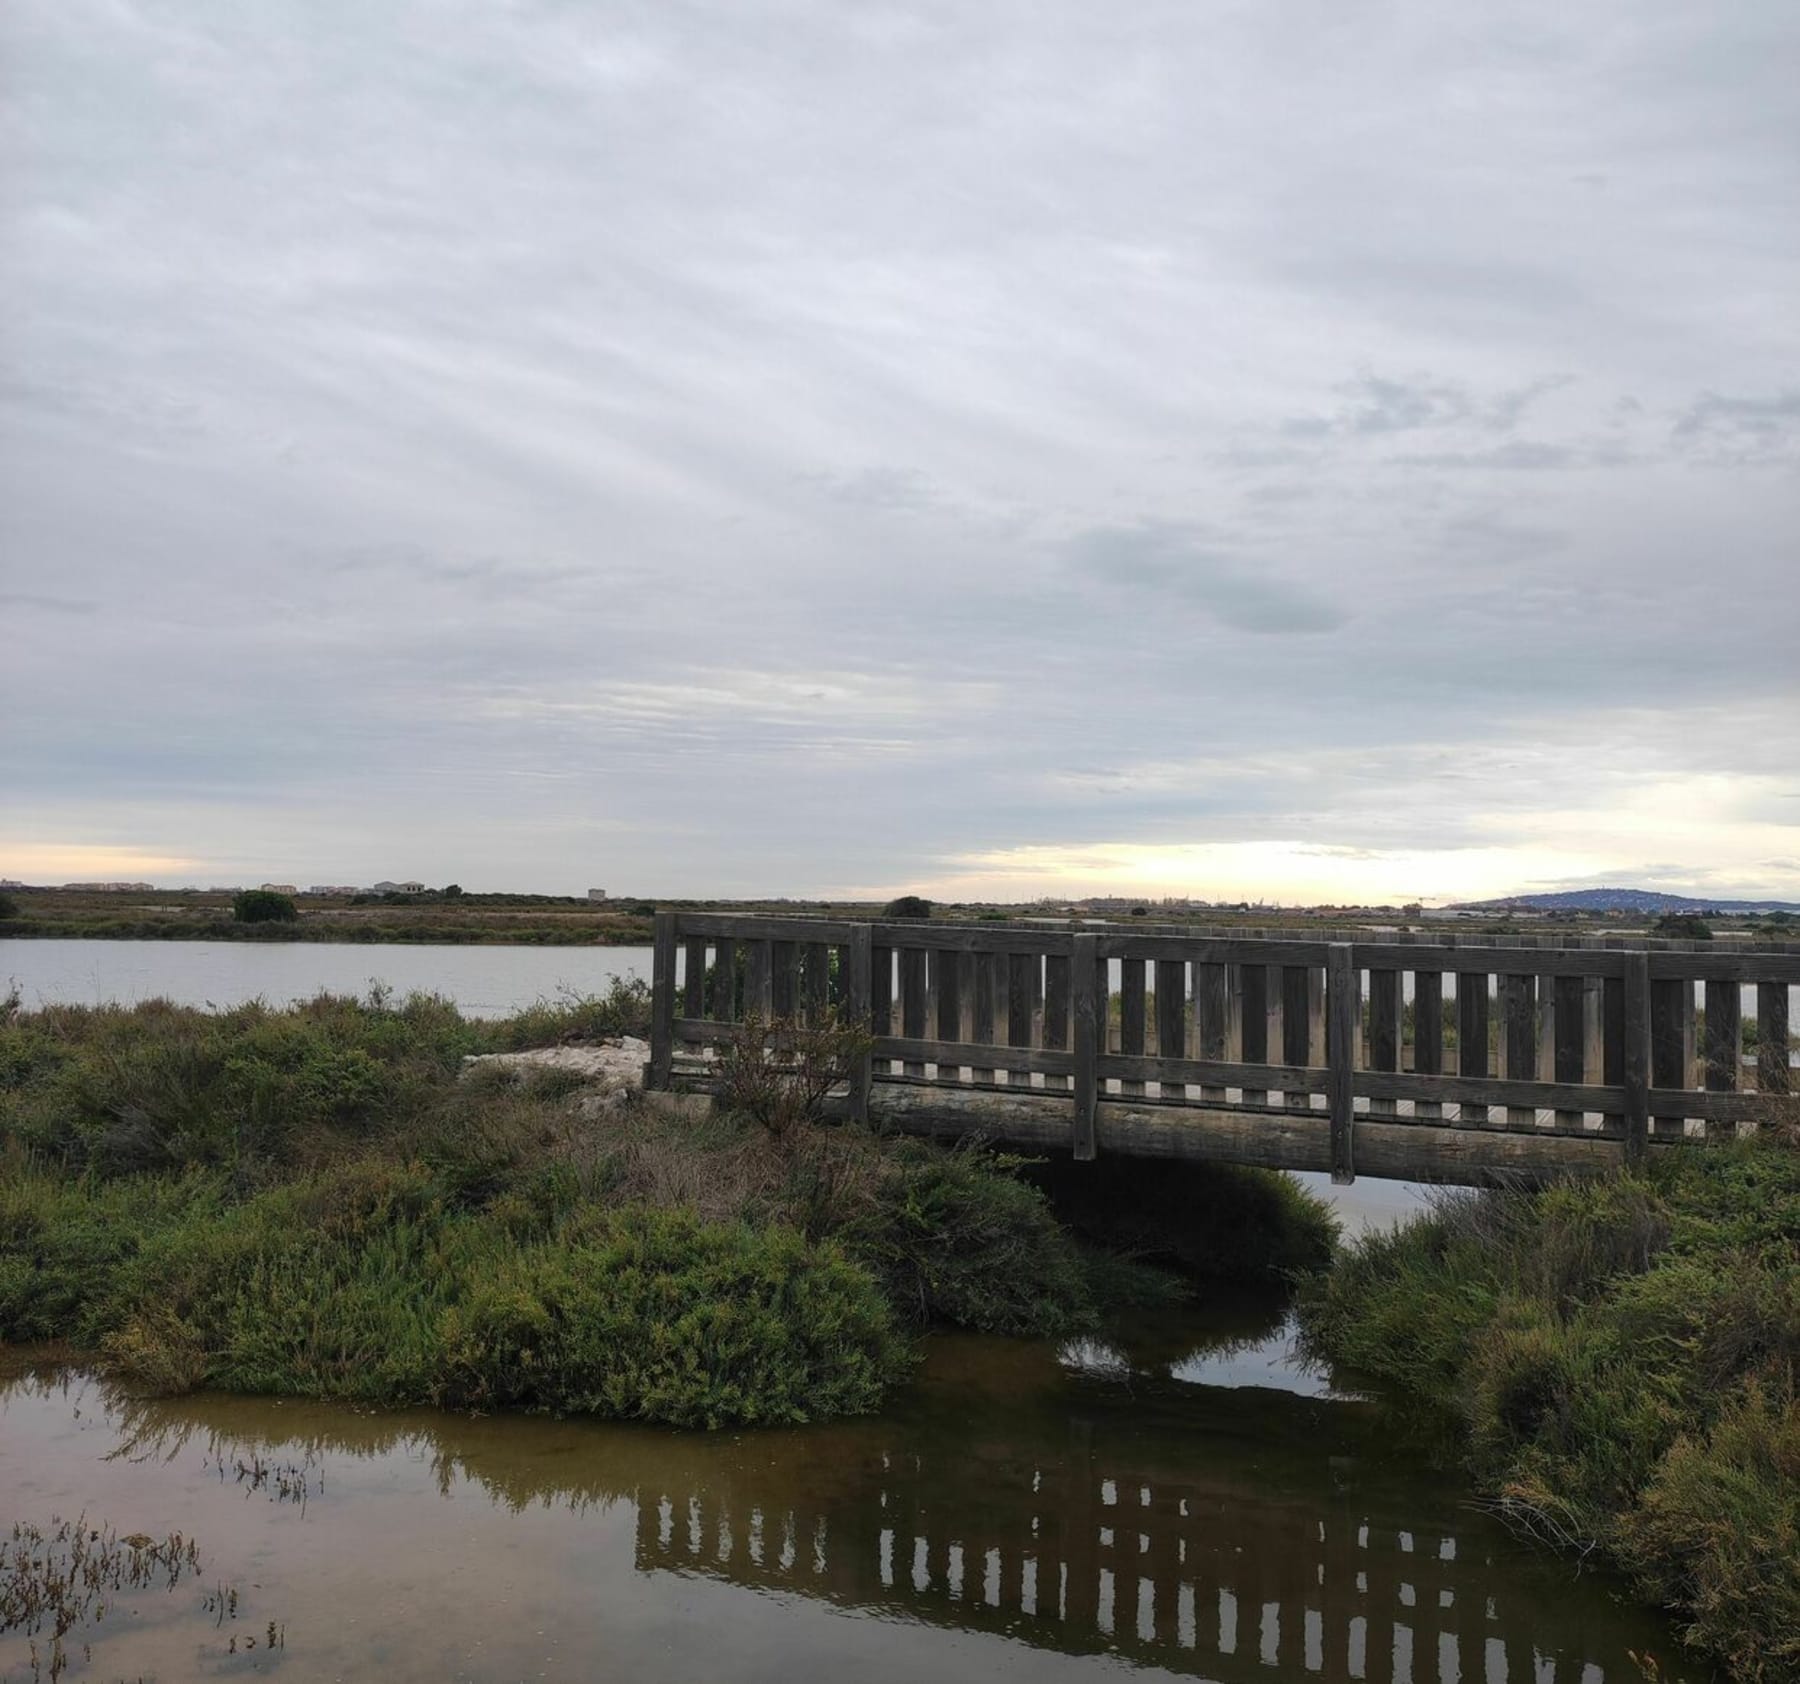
{"x":1280,"y":451}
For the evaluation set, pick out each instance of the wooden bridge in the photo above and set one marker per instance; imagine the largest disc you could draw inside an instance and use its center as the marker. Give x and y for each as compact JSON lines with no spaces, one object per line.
{"x":1420,"y":1058}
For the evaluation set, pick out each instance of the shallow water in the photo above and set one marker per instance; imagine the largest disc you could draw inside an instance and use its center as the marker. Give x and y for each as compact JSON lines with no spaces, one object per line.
{"x":1018,"y":1512}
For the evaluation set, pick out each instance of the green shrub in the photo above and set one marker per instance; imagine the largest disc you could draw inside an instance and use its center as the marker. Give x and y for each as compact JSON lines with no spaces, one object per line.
{"x":263,"y":906}
{"x":907,"y":906}
{"x":959,"y":1239}
{"x":1618,"y":1357}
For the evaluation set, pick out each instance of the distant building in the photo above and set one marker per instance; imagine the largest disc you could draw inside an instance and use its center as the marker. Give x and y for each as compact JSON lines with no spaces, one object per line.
{"x":386,"y":888}
{"x":596,"y":894}
{"x":334,"y":889}
{"x":112,"y":888}
{"x":279,"y":889}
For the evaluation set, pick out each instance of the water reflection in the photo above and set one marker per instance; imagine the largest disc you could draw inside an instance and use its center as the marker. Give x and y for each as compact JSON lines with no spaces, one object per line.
{"x":1195,"y":1530}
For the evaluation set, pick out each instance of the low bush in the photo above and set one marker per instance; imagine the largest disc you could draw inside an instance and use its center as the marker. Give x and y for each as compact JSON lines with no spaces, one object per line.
{"x":1615,"y":1361}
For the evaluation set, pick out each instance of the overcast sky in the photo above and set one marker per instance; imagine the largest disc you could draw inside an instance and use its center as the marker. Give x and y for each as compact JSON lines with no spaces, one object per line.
{"x":1309,"y":451}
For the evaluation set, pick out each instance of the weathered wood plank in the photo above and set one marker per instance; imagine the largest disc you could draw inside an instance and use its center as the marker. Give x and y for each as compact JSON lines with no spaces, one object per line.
{"x":1671,"y":1047}
{"x":1171,"y":1018}
{"x":1752,"y":966}
{"x":1773,"y":1072}
{"x":1210,"y":991}
{"x":1518,"y":996}
{"x":987,"y":965}
{"x":1472,"y":1030}
{"x":856,"y":977}
{"x":1428,"y":1035}
{"x":738,"y":928}
{"x":1724,"y":1032}
{"x":662,"y":1001}
{"x":1634,"y":1057}
{"x":1252,"y":991}
{"x":1296,"y":1022}
{"x":815,"y":981}
{"x":949,"y":968}
{"x":930,"y":1050}
{"x":912,"y":1002}
{"x":1243,"y":950}
{"x":1021,"y":969}
{"x":1343,"y":1008}
{"x":1384,"y":1032}
{"x":784,"y":974}
{"x":723,"y":1004}
{"x":1568,"y":1005}
{"x":1131,"y":1016}
{"x":1491,"y":961}
{"x":1302,"y":1080}
{"x":881,"y":994}
{"x":693,"y":977}
{"x":1056,"y":1010}
{"x":1085,"y":1026}
{"x":1494,"y":1090}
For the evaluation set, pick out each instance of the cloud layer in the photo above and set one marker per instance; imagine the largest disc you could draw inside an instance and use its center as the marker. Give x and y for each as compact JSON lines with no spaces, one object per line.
{"x":752,"y":449}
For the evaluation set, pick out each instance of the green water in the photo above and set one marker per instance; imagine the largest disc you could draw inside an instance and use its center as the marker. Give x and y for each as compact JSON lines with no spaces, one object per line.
{"x":1179,"y":1499}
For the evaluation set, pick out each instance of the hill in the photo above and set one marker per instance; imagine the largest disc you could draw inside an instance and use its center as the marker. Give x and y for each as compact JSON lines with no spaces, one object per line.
{"x":1648,"y":901}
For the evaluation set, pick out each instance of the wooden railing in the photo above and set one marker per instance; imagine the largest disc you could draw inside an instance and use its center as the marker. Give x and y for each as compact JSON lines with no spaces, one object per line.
{"x":1140,"y":1030}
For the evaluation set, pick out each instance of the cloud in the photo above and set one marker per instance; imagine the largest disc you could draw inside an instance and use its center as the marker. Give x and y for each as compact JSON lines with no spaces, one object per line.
{"x":1164,"y":562}
{"x":537,"y":446}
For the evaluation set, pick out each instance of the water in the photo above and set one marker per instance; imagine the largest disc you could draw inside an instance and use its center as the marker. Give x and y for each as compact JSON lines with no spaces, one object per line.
{"x":483,"y":981}
{"x":1020,"y":1512}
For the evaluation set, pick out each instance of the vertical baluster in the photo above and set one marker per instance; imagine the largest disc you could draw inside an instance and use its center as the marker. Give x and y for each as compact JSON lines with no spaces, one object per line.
{"x":1723,"y":1031}
{"x":949,"y":1008}
{"x":1773,"y":1072}
{"x":1296,"y":1026}
{"x":1056,"y":1011}
{"x":1020,"y":969}
{"x":881,"y":1000}
{"x":1253,"y":1023}
{"x":1384,"y":1032}
{"x":1171,"y":1018}
{"x":1518,"y":995}
{"x":1210,"y":995}
{"x":1569,"y":1025}
{"x":1428,"y":1035}
{"x":1671,"y":1047}
{"x":988,"y":988}
{"x":912,"y":1003}
{"x":1472,"y":1036}
{"x":1131,"y":1018}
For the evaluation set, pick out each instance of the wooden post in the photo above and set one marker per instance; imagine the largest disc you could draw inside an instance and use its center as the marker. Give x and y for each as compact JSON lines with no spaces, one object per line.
{"x":987,"y":987}
{"x":856,"y":976}
{"x":1671,"y":1046}
{"x":1342,"y":1006}
{"x":693,"y":981}
{"x":949,"y":1007}
{"x":1020,"y":967}
{"x":1083,"y":987}
{"x":662,"y":1003}
{"x":1253,"y":1023}
{"x":1634,"y":1036}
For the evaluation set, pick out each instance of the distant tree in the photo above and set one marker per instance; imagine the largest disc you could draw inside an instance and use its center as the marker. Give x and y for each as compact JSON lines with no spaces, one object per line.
{"x":9,"y":908}
{"x":453,"y":891}
{"x":1682,"y":926}
{"x":1140,"y":912}
{"x":907,"y":906}
{"x":262,"y":906}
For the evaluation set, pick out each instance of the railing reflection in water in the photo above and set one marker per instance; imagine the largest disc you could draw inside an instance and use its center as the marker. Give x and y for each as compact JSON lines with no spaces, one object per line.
{"x":1147,"y":1569}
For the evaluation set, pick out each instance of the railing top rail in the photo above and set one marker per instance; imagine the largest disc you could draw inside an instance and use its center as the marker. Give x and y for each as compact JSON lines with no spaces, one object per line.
{"x":1457,"y":953}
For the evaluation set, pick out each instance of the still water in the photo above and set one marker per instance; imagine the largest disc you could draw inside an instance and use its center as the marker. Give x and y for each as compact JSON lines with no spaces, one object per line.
{"x":1180,"y":1501}
{"x":483,"y":981}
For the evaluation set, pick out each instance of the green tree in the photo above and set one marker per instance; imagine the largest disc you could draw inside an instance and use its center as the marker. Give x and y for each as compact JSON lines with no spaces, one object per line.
{"x":9,"y":908}
{"x":907,"y":906}
{"x":262,"y":906}
{"x":453,"y":891}
{"x":1683,"y":926}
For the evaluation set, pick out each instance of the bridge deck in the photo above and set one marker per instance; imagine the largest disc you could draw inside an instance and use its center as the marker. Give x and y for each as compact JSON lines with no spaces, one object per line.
{"x":1434,"y":1058}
